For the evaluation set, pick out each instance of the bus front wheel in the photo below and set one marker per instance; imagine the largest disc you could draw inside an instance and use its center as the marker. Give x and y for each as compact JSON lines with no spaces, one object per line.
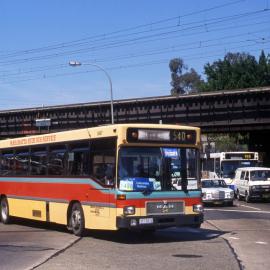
{"x":76,"y":219}
{"x":5,"y":218}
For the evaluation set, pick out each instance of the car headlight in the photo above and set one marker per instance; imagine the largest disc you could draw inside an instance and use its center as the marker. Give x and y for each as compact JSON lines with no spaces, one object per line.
{"x":197,"y":208}
{"x":255,"y":187}
{"x":232,"y":194}
{"x":208,"y":195}
{"x":129,"y":210}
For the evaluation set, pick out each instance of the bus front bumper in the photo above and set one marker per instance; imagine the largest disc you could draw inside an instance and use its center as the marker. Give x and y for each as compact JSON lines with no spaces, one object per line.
{"x":144,"y":222}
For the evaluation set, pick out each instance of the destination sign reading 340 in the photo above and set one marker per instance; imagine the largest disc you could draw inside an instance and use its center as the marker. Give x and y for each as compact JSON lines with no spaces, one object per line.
{"x":183,"y":136}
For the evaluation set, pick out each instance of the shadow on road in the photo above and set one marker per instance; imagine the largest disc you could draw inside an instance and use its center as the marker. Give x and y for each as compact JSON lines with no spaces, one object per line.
{"x":124,"y":236}
{"x":160,"y":236}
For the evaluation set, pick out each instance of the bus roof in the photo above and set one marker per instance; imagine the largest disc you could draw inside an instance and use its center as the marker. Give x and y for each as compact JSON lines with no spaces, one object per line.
{"x":254,"y":169}
{"x":83,"y":134}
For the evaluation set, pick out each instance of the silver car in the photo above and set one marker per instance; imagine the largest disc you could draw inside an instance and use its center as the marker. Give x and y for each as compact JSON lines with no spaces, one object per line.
{"x":216,"y":191}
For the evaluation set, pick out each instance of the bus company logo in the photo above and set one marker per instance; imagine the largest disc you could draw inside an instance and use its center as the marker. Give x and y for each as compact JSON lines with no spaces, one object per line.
{"x":165,"y":206}
{"x":25,"y":141}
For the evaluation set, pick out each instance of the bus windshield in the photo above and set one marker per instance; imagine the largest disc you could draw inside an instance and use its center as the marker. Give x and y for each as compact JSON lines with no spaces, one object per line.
{"x":157,"y":169}
{"x":228,"y":168}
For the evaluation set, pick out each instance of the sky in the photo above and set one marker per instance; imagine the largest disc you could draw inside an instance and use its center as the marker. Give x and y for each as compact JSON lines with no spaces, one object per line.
{"x":133,"y":41}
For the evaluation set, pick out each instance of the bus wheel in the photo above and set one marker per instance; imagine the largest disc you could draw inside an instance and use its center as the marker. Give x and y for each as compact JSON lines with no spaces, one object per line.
{"x":4,"y":211}
{"x":76,"y":219}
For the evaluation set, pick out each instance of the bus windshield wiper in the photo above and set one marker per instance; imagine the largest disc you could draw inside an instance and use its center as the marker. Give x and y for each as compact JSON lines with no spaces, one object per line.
{"x":147,"y":191}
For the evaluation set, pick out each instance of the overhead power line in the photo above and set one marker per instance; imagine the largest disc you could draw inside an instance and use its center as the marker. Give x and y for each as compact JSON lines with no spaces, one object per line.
{"x":109,"y":34}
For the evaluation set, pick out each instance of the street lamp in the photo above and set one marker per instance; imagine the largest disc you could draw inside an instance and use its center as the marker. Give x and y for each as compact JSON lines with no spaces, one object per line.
{"x":77,"y":63}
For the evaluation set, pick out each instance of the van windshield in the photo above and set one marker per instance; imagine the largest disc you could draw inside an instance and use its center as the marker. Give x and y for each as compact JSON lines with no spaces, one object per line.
{"x":260,"y":175}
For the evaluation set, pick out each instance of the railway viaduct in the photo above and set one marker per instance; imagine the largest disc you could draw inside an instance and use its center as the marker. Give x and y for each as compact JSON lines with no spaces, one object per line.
{"x":243,"y":110}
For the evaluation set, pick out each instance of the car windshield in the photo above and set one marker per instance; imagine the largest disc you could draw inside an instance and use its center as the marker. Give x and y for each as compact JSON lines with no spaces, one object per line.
{"x":213,"y":183}
{"x":157,"y":168}
{"x":228,"y":168}
{"x":260,"y":175}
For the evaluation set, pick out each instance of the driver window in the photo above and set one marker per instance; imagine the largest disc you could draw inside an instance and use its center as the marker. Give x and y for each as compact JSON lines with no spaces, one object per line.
{"x":242,"y":177}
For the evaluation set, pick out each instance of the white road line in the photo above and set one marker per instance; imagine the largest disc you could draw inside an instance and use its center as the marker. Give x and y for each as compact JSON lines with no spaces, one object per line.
{"x":261,"y":243}
{"x":250,"y":207}
{"x":241,"y":211}
{"x":234,"y":238}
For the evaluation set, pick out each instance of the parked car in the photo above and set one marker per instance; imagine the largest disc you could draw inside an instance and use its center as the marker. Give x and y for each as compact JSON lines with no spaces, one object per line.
{"x":216,"y":191}
{"x":252,"y":183}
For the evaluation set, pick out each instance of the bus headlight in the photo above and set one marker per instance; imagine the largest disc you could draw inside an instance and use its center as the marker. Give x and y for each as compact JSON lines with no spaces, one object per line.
{"x":129,"y":210}
{"x":197,"y":208}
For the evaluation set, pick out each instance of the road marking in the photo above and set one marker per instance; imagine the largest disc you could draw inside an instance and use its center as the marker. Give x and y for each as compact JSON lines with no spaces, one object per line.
{"x":241,"y":211}
{"x":235,"y":238}
{"x":261,"y":243}
{"x":250,"y":207}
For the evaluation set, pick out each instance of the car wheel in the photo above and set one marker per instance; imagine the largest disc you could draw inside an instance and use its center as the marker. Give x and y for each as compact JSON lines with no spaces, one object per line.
{"x":247,"y":197}
{"x":230,"y":203}
{"x":197,"y":226}
{"x":239,"y":198}
{"x":5,"y":218}
{"x":76,"y":219}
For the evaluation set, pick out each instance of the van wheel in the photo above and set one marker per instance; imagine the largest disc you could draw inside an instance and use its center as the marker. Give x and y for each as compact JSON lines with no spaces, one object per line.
{"x":76,"y":219}
{"x":5,"y":218}
{"x":239,"y":198}
{"x":247,"y":197}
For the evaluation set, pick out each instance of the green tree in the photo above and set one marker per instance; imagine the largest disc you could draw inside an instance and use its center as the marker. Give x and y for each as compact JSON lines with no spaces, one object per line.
{"x":264,"y":70}
{"x":183,"y":80}
{"x":236,"y":70}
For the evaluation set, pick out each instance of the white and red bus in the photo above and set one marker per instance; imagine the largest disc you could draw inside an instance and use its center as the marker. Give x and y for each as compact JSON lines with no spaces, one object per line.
{"x":107,"y":177}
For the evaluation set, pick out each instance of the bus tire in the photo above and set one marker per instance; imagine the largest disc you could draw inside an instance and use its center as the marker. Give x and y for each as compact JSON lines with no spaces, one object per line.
{"x":76,"y":219}
{"x":5,"y":218}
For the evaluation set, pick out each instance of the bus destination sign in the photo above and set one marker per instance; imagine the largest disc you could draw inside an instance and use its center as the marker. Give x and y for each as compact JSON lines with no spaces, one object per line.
{"x":172,"y":136}
{"x":239,"y":156}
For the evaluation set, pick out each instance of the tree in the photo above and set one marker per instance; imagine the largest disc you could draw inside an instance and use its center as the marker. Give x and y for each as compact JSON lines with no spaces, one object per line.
{"x":264,"y":70}
{"x":236,"y":70}
{"x":181,"y":82}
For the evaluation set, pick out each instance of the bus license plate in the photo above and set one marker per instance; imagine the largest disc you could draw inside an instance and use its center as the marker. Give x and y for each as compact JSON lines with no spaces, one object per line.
{"x":146,"y":221}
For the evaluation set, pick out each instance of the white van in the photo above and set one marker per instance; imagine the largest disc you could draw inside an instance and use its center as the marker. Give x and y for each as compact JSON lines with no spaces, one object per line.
{"x":252,"y":183}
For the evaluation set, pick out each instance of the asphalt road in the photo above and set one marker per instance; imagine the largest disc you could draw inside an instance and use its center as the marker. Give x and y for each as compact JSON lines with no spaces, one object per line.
{"x":247,"y":229}
{"x":231,"y":238}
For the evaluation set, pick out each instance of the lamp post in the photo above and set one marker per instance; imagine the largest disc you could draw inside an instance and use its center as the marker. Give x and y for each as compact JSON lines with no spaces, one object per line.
{"x":77,"y":63}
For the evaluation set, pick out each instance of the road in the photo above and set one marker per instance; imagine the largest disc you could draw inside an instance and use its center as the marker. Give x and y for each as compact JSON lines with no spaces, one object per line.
{"x":231,"y":238}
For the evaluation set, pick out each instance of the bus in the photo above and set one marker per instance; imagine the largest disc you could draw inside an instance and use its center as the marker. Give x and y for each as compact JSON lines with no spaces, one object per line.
{"x":111,"y":177}
{"x":224,"y":164}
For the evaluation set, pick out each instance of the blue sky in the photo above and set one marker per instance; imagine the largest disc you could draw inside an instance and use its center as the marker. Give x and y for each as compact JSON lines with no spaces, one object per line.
{"x":133,"y":40}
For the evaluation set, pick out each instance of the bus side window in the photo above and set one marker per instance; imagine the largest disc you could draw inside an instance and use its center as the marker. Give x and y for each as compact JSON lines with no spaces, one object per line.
{"x":21,"y":160}
{"x":7,"y":164}
{"x":38,"y":161}
{"x":102,"y":162}
{"x":57,"y":160}
{"x":78,"y":159}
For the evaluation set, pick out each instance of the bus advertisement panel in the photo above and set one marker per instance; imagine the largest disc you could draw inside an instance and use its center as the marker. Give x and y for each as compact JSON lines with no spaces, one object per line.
{"x":133,"y":176}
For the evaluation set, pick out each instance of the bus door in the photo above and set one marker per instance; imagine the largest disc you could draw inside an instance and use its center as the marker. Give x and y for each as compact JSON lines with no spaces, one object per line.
{"x":102,"y":191}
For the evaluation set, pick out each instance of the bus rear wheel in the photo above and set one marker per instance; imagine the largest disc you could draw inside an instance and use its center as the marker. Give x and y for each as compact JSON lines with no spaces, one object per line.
{"x":76,"y":219}
{"x":5,"y":218}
